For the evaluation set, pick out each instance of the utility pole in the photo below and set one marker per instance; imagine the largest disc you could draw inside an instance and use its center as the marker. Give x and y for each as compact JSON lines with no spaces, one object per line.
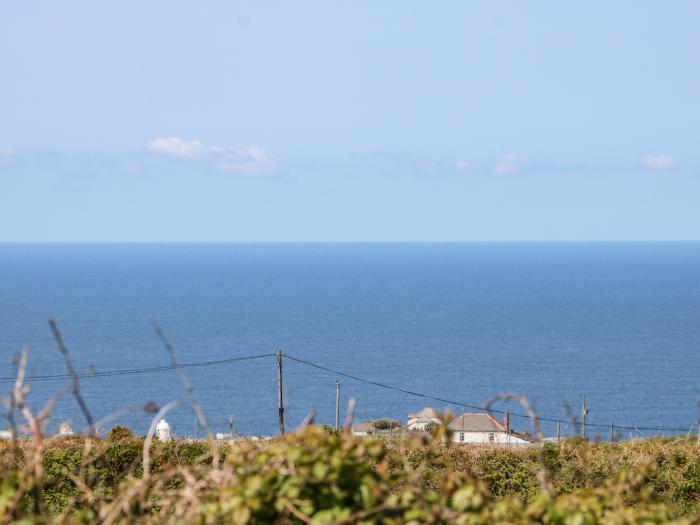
{"x":337,"y":405}
{"x":584,"y":413}
{"x":281,"y":395}
{"x":612,"y":432}
{"x":506,"y":419}
{"x":558,"y":431}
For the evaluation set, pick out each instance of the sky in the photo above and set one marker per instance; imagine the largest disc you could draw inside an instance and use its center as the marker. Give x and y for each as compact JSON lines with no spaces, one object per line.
{"x":349,"y":121}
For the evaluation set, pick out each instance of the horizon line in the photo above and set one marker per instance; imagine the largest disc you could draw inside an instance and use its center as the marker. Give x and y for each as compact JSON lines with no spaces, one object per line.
{"x":495,"y":241}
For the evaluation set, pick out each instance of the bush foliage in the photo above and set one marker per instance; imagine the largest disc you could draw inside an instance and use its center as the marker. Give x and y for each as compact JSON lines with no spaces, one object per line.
{"x":321,"y":477}
{"x":386,"y":424}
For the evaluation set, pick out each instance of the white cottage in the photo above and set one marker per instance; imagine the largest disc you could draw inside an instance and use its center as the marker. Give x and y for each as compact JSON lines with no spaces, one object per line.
{"x":483,"y":428}
{"x":362,"y":429}
{"x":420,"y":420}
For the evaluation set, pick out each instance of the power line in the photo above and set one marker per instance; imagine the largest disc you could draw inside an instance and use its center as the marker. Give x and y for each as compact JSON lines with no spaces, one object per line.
{"x":473,"y":407}
{"x":155,"y":369}
{"x":132,"y":371}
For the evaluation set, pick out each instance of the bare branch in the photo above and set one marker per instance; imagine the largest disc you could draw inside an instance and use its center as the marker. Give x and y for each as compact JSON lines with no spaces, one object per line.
{"x":214,"y":447}
{"x":75,"y":386}
{"x":570,"y":413}
{"x":308,"y":420}
{"x":33,"y":461}
{"x":349,"y":416}
{"x":542,"y":473}
{"x":149,"y":436}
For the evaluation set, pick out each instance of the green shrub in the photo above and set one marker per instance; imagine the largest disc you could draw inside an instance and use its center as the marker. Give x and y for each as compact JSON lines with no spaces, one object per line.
{"x":386,"y":424}
{"x":319,"y":477}
{"x":119,"y":433}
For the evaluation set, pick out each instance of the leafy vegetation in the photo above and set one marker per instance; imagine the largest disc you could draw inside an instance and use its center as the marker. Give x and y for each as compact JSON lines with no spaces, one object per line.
{"x":316,"y":476}
{"x":321,"y":476}
{"x":386,"y":424}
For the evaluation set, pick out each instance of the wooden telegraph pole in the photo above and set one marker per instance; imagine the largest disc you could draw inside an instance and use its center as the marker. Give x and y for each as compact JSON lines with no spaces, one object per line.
{"x":281,"y":395}
{"x":506,"y":419}
{"x":558,"y":431}
{"x":612,"y":432}
{"x":337,"y":405}
{"x":584,"y":413}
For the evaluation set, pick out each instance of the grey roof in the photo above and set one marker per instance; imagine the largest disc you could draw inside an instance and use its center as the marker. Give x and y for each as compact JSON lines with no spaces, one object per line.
{"x":427,"y":412}
{"x":476,"y":423}
{"x":363,"y":427}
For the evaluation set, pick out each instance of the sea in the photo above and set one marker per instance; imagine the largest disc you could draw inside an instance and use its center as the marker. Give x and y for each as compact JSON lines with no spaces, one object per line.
{"x":401,"y":326}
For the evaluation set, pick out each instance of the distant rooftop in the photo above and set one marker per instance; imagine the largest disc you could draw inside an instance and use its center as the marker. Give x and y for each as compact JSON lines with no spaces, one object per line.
{"x":363,"y":427}
{"x":476,"y":423}
{"x":427,"y":412}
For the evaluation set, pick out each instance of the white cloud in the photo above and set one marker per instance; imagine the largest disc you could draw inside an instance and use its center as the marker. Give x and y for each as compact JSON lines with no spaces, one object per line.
{"x":6,"y":153}
{"x":176,"y":147}
{"x":246,"y":160}
{"x":509,"y":164}
{"x":658,"y":162}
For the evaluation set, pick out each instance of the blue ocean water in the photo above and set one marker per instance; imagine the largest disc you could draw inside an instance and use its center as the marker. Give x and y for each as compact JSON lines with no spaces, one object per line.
{"x":616,"y":321}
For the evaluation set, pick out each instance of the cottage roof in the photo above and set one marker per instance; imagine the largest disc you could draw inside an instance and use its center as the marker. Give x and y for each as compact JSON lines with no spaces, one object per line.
{"x":363,"y":427}
{"x":476,"y":423}
{"x":427,"y":412}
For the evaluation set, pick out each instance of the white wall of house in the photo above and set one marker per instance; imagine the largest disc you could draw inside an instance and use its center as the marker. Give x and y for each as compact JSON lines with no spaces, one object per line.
{"x":497,"y":438}
{"x":421,"y":422}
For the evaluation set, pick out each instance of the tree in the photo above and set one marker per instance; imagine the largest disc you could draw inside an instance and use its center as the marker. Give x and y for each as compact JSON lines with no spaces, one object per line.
{"x":386,"y":424}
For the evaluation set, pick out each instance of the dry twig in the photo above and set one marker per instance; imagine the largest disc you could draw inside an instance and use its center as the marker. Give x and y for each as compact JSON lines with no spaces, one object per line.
{"x":542,"y":473}
{"x":75,"y":386}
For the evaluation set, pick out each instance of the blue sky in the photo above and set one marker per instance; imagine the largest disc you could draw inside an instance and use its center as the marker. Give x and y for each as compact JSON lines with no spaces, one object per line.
{"x":348,"y":121}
